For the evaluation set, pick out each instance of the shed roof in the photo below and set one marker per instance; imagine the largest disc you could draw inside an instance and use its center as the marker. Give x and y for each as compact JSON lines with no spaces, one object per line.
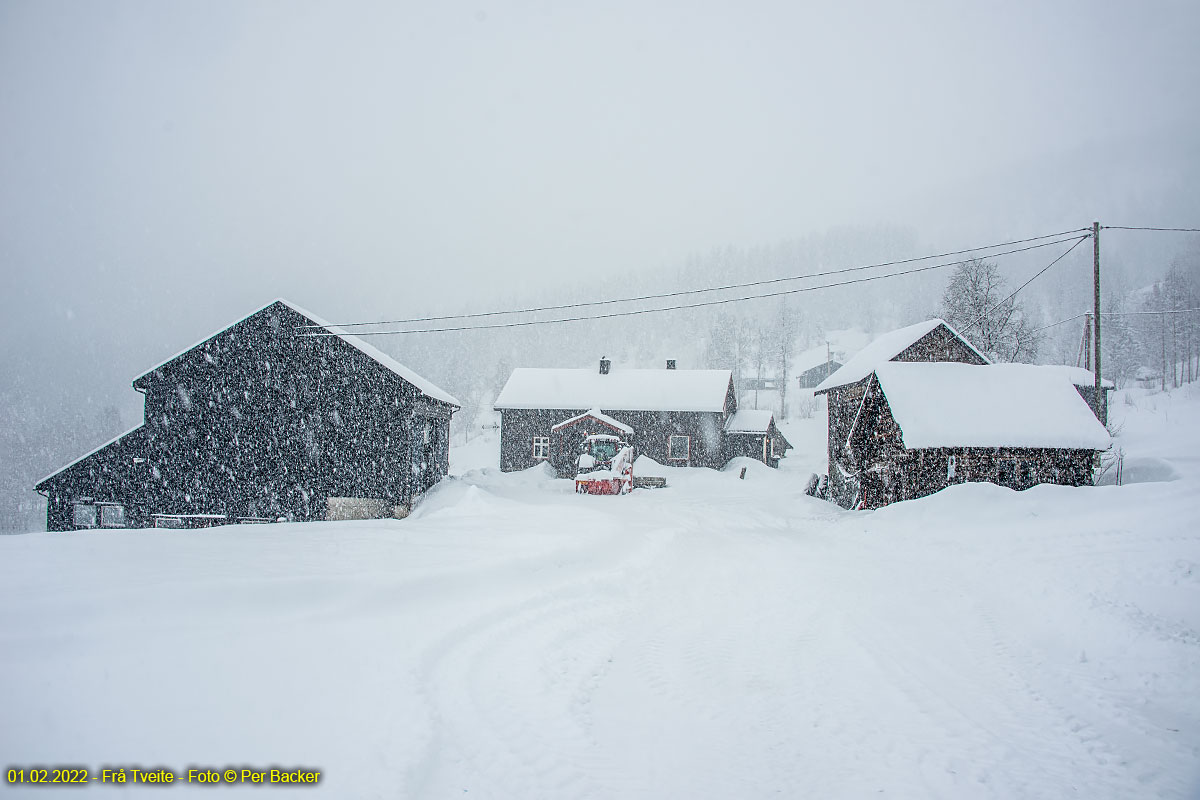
{"x":998,"y":405}
{"x":1079,"y":376}
{"x":750,"y":420}
{"x":118,"y":439}
{"x":883,"y":349}
{"x":619,"y":390}
{"x":426,"y":387}
{"x":598,"y":415}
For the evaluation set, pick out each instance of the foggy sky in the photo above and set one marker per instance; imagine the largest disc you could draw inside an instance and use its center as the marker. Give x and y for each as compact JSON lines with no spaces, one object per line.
{"x":166,"y":168}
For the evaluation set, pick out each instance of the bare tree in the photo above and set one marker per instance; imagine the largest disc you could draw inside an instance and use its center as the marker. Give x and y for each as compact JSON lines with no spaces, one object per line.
{"x":787,"y":323}
{"x":976,"y":304}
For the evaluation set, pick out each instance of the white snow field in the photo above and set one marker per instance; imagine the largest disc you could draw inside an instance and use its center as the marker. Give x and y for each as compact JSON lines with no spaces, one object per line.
{"x":720,"y":638}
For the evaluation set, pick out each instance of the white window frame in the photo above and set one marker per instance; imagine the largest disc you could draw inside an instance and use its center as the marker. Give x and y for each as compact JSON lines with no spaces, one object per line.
{"x":541,"y":443}
{"x":687,"y":445}
{"x":79,"y":506}
{"x":111,"y":508}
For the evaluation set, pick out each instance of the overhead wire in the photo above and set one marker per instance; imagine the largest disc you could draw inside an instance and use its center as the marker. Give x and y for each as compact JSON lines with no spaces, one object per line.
{"x":1118,"y":314}
{"x":1137,"y":228}
{"x":701,"y":304}
{"x":1036,"y":275}
{"x":727,"y":287}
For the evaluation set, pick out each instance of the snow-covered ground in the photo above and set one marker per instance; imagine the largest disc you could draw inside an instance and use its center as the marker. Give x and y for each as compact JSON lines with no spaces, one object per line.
{"x":718,"y":638}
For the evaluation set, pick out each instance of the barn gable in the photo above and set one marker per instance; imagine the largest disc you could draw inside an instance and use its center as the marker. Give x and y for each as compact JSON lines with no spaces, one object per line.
{"x":272,"y":322}
{"x":931,"y":340}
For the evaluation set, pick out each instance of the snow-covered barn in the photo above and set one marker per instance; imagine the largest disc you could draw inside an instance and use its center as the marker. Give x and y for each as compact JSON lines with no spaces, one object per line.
{"x":923,"y":426}
{"x":263,"y":420}
{"x":678,"y":417}
{"x":931,"y":340}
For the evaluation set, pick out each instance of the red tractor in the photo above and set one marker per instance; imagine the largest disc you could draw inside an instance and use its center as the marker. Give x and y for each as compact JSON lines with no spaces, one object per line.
{"x":604,"y":466}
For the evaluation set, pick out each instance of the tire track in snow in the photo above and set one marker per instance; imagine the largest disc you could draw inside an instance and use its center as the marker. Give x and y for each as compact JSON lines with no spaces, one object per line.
{"x":504,"y":722}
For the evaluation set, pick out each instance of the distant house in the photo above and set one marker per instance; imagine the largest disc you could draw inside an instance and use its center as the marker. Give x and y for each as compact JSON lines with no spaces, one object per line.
{"x":260,"y":421}
{"x":812,"y":377}
{"x":923,"y":426}
{"x":676,"y":417}
{"x":752,"y":433}
{"x":932,"y":340}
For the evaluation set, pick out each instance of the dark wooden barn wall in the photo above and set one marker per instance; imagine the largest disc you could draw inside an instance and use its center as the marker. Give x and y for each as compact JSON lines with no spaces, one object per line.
{"x":261,"y":422}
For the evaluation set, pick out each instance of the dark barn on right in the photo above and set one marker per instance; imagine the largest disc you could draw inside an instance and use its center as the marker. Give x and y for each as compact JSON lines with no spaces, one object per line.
{"x":924,"y":426}
{"x":932,"y":340}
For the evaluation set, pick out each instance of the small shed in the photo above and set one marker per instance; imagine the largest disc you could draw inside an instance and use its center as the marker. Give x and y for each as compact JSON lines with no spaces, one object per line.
{"x":811,"y":378}
{"x":752,"y":433}
{"x":567,"y":436}
{"x":923,"y":426}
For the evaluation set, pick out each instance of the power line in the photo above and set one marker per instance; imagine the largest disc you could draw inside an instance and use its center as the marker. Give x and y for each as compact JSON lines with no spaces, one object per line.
{"x":1132,"y":228}
{"x":750,"y":284}
{"x":985,"y":314}
{"x":701,"y":304}
{"x":1118,"y":314}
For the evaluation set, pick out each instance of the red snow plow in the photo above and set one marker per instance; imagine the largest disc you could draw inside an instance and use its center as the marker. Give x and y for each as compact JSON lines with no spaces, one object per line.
{"x":605,"y":466}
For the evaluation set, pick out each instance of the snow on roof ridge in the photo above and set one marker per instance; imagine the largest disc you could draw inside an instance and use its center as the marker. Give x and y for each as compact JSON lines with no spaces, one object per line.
{"x":597,"y":414}
{"x":884,"y":348}
{"x":383,"y":359}
{"x":90,"y":453}
{"x":948,"y":404}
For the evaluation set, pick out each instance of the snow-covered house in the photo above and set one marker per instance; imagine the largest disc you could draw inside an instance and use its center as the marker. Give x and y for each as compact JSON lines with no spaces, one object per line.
{"x":675,"y":416}
{"x":263,"y":420}
{"x":923,"y":426}
{"x":931,"y":340}
{"x":752,"y":432}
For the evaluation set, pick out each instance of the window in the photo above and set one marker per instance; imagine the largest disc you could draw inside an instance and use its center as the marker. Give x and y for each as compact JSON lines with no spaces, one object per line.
{"x":85,"y":515}
{"x":679,"y":448}
{"x":541,"y":447}
{"x":112,"y":516}
{"x":776,"y":450}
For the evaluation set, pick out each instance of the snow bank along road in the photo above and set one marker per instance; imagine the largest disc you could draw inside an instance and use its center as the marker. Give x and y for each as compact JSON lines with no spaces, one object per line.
{"x":719,"y":639}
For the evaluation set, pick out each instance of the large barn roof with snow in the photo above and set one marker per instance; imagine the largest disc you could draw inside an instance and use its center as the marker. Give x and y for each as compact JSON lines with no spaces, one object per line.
{"x":946,"y":404}
{"x":428,"y":388}
{"x":884,"y":349}
{"x":619,"y":390}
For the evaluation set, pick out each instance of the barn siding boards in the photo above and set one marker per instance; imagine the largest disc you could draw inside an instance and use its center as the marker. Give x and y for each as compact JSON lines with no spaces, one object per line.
{"x":262,"y":421}
{"x":940,"y":344}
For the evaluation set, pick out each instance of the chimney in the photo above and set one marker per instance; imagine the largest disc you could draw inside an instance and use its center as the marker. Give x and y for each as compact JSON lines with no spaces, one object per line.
{"x":670,"y":363}
{"x":604,"y":365}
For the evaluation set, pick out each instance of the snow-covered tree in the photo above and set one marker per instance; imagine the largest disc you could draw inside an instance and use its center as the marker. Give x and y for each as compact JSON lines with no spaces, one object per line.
{"x":976,"y":303}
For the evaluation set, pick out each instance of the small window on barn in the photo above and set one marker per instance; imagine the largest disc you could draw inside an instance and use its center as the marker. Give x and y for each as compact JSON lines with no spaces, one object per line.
{"x":85,"y":515}
{"x":776,"y":449}
{"x":112,"y":516}
{"x":679,"y":448}
{"x":541,"y":447}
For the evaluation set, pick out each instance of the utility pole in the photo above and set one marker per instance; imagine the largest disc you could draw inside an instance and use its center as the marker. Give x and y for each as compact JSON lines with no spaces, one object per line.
{"x":1101,"y":411}
{"x":1087,"y":341}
